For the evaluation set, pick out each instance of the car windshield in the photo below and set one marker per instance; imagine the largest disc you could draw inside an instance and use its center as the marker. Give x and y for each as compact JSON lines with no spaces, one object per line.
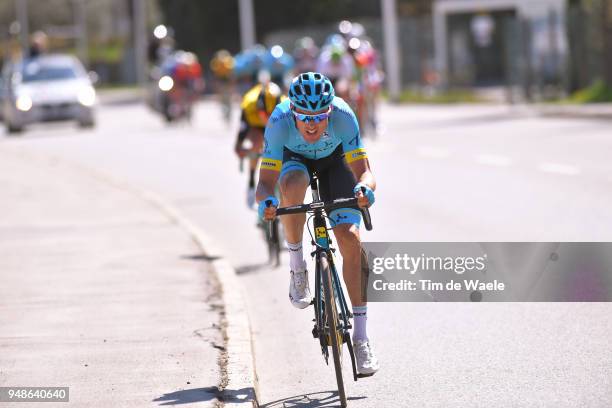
{"x":34,"y":71}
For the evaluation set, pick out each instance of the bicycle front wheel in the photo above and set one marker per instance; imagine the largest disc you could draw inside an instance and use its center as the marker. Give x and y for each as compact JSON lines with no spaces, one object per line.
{"x":335,"y":333}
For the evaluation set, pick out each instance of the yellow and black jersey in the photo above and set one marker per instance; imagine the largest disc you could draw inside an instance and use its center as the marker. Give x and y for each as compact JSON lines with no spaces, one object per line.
{"x":255,"y":101}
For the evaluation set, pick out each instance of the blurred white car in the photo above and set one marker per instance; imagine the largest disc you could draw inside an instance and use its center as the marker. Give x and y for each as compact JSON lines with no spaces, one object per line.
{"x":47,"y":88}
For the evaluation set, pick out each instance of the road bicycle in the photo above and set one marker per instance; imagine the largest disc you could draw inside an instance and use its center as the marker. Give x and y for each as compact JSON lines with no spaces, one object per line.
{"x":332,"y":316}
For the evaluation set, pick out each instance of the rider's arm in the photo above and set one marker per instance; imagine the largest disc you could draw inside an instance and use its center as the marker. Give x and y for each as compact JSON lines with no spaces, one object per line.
{"x":275,"y":136}
{"x":362,"y":172}
{"x":267,"y":184}
{"x":354,"y":152}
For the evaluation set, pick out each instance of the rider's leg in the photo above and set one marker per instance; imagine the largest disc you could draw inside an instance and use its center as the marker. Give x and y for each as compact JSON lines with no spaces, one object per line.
{"x":293,"y":185}
{"x":349,"y":243}
{"x":350,"y":248}
{"x":255,"y":135}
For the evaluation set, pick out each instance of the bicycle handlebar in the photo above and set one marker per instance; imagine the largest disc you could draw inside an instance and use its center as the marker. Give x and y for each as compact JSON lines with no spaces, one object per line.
{"x":327,"y":206}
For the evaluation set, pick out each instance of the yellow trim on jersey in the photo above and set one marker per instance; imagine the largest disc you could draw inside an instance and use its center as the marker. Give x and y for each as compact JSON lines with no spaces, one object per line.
{"x":354,"y":155}
{"x":271,"y":164}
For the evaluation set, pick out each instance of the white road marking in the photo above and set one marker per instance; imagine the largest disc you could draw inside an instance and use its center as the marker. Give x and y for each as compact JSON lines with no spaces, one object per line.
{"x":493,"y":160}
{"x":558,"y":168}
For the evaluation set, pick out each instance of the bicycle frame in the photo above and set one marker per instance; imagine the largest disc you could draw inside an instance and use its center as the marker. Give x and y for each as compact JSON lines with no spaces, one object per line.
{"x":322,"y":243}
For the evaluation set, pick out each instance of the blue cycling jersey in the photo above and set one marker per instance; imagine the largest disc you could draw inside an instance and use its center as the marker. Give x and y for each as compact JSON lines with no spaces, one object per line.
{"x":282,"y":132}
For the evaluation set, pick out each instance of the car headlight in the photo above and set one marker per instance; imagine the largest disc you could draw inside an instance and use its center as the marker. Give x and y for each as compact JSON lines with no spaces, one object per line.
{"x":24,"y":103}
{"x":87,"y":96}
{"x":165,"y":83}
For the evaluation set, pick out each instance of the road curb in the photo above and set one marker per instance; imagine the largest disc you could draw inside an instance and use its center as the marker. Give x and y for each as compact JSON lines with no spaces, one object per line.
{"x":239,"y":382}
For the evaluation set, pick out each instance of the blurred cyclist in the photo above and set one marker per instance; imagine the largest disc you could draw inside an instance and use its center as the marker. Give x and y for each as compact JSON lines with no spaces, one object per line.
{"x":257,"y":106}
{"x":280,"y":65}
{"x":336,"y":64}
{"x":368,"y":78}
{"x":316,"y":131}
{"x":184,"y":84}
{"x":222,"y":67}
{"x":305,"y":54}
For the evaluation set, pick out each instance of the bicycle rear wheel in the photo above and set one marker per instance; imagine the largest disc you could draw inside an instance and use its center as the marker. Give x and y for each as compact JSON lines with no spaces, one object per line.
{"x":332,"y":321}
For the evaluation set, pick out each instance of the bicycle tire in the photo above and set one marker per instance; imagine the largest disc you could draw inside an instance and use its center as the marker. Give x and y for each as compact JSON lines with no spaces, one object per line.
{"x":332,"y":322}
{"x":277,"y":243}
{"x":273,"y":241}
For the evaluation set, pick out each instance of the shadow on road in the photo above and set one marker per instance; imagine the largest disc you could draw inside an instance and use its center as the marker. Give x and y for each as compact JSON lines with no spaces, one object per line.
{"x":189,"y":396}
{"x":313,"y":400}
{"x":245,"y":269}
{"x":244,"y":395}
{"x":200,"y":257}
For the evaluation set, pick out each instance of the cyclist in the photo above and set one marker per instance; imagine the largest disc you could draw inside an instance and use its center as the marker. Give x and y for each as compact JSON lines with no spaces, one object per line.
{"x":280,"y":65}
{"x":336,"y":64}
{"x":222,"y":67}
{"x":305,"y":54}
{"x":257,"y":105}
{"x":315,"y":131}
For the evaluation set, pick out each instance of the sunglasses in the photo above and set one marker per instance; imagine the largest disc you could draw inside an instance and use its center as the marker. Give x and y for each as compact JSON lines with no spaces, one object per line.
{"x":312,"y":118}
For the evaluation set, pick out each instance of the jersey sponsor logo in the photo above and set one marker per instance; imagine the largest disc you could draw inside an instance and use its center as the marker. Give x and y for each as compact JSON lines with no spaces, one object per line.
{"x":355,"y":140}
{"x":271,"y":164}
{"x":327,"y":145}
{"x":354,"y":155}
{"x":340,"y":217}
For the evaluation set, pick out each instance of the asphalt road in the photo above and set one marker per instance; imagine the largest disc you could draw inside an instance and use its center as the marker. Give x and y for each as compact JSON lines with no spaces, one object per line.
{"x":463,"y":173}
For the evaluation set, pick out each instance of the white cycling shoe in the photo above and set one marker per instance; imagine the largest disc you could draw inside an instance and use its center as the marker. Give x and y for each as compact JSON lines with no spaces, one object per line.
{"x":299,"y":290}
{"x":367,"y":363}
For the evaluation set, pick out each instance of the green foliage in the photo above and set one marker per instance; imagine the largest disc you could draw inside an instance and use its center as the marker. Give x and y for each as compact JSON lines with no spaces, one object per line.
{"x":108,"y":53}
{"x":448,"y":97}
{"x":598,"y":92}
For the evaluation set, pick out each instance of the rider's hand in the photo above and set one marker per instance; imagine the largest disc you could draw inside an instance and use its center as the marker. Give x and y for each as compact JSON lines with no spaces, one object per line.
{"x":268,"y":213}
{"x":240,"y":151}
{"x":364,"y":199}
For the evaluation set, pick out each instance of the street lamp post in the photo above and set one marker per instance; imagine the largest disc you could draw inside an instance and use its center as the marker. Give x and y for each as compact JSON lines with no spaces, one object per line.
{"x":247,"y":23}
{"x":140,"y":40}
{"x":80,"y":29}
{"x":392,"y":55}
{"x":24,"y":31}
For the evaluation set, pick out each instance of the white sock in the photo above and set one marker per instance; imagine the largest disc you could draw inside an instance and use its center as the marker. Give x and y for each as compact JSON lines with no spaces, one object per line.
{"x":296,"y":257}
{"x":360,"y":315}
